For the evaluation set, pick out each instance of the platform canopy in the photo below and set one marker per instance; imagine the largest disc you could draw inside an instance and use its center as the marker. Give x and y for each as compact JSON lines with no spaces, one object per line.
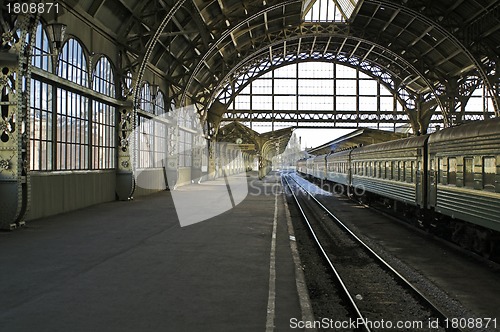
{"x":431,"y":53}
{"x":357,"y":138}
{"x":267,"y":144}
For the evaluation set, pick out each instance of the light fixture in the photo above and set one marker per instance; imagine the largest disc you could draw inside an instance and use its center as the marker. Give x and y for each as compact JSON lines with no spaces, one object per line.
{"x":56,"y":31}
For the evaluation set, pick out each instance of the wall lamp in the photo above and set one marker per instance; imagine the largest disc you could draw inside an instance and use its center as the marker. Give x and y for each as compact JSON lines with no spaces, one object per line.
{"x":57,"y":32}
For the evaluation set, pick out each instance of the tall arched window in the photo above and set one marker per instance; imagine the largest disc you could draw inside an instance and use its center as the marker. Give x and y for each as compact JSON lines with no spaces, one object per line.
{"x":73,"y":63}
{"x":68,"y":130}
{"x":41,"y":50}
{"x":145,"y":99}
{"x":72,"y":140}
{"x":103,"y":117}
{"x":186,"y":126}
{"x":40,"y":106}
{"x":152,"y":131}
{"x":146,"y":133}
{"x":160,"y":130}
{"x":159,"y":103}
{"x":103,"y":78}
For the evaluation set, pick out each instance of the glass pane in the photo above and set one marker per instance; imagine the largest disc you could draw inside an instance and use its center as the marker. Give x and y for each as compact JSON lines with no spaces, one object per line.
{"x":468,"y":172}
{"x":489,"y":172}
{"x":452,"y":171}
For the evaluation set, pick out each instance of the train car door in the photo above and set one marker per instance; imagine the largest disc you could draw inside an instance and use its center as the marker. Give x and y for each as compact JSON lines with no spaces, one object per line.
{"x":433,"y":180}
{"x":418,"y":182}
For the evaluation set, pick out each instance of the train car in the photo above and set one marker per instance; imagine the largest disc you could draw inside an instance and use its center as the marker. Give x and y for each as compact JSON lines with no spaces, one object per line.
{"x":302,"y":166}
{"x":448,"y":182}
{"x":338,"y":169}
{"x":464,"y":176}
{"x":319,"y":167}
{"x":310,"y":166}
{"x":393,"y":170}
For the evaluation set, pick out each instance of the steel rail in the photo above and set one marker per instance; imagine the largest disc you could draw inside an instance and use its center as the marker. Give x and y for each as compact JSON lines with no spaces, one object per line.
{"x":325,"y":255}
{"x":436,"y":311}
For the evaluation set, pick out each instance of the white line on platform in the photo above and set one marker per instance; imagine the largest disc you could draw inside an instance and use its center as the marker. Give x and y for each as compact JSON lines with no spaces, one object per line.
{"x":271,"y":301}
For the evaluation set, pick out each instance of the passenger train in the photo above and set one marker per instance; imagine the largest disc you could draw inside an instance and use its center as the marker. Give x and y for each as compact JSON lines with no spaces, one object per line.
{"x":448,"y":181}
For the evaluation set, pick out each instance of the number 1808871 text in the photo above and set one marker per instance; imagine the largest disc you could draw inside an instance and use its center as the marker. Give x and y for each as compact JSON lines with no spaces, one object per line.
{"x":32,"y":8}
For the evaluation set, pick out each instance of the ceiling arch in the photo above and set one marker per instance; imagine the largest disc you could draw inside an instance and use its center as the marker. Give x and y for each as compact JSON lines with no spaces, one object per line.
{"x":258,"y":67}
{"x":195,"y":43}
{"x":380,"y":63}
{"x":436,"y":65}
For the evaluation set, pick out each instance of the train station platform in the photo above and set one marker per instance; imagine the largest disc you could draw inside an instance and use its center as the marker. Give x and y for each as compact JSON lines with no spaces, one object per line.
{"x":131,"y":266}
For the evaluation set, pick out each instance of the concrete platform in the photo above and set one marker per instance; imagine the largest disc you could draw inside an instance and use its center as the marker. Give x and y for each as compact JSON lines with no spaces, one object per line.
{"x":130,"y":266}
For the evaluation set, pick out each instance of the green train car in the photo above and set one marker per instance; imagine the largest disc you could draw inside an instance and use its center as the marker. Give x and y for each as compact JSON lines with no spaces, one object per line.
{"x":448,"y":181}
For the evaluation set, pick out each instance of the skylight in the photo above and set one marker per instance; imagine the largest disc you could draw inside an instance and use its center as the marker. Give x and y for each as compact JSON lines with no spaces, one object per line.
{"x":330,"y":10}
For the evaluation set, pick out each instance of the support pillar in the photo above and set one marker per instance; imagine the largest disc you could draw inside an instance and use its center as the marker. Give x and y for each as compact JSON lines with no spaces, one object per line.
{"x":15,"y":80}
{"x":125,"y":182}
{"x":172,"y":160}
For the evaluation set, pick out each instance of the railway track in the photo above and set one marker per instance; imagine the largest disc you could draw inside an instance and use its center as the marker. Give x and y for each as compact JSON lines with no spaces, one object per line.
{"x":375,"y":296}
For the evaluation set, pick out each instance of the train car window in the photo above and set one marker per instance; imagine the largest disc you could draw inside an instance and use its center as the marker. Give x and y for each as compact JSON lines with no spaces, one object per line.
{"x":440,"y":171}
{"x":379,"y":170}
{"x":412,"y":168}
{"x":452,"y":171}
{"x":400,"y":170}
{"x":432,"y":173}
{"x":419,"y":171}
{"x":468,"y":172}
{"x":489,"y":172}
{"x":403,"y":171}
